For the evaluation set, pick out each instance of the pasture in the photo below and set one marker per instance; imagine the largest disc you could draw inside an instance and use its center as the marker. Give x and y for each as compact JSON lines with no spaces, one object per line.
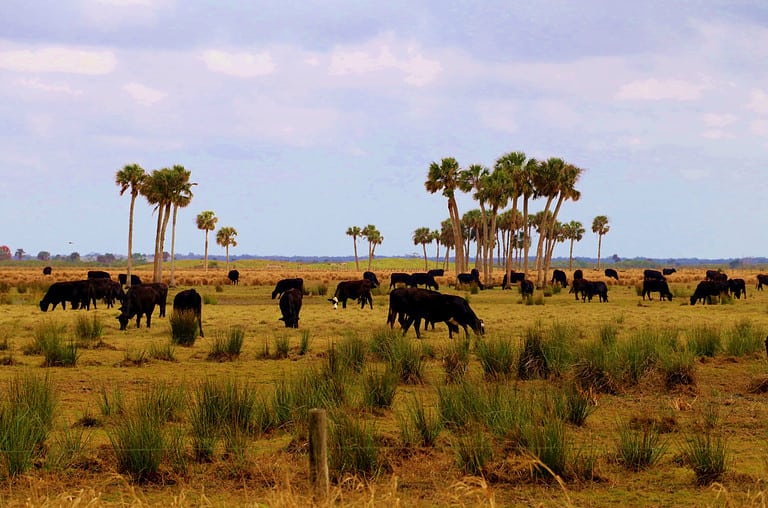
{"x":469,"y":434}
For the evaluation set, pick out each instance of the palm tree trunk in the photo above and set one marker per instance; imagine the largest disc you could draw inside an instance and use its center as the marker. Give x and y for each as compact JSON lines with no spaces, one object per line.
{"x":357,"y":262}
{"x":437,"y":255}
{"x":173,"y":244}
{"x":166,"y":218}
{"x":426,"y":265}
{"x":206,"y":250}
{"x":599,"y":246}
{"x":157,"y":242}
{"x":130,"y":240}
{"x":227,"y":249}
{"x":453,"y":212}
{"x":570,"y":256}
{"x":526,"y":236}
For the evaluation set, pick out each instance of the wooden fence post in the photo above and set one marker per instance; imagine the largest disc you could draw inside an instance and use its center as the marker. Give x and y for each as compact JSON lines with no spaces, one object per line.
{"x":318,"y":452}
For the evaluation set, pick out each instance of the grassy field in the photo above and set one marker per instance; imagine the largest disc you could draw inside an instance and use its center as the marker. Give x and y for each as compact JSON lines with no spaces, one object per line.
{"x":480,"y":455}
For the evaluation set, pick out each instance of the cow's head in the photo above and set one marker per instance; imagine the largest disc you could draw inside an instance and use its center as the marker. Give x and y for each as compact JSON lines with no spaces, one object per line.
{"x":123,"y":319}
{"x":43,"y":306}
{"x":334,"y":301}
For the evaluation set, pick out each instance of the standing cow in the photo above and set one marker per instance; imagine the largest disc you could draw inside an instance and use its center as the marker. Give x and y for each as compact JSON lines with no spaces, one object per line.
{"x":234,"y":277}
{"x":189,"y":300}
{"x":290,"y":306}
{"x":139,"y":301}
{"x":359,"y":290}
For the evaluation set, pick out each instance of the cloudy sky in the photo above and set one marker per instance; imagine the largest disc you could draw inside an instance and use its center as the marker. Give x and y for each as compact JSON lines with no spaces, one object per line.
{"x":299,"y":119}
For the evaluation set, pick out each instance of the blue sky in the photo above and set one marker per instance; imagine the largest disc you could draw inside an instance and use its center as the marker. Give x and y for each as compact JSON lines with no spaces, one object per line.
{"x":300,"y":119}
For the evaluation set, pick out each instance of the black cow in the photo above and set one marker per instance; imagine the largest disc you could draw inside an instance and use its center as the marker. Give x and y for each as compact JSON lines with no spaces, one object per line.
{"x":514,"y":278}
{"x":707,"y":289}
{"x":558,"y":276}
{"x":761,"y":279}
{"x":123,"y":279}
{"x":290,"y":306}
{"x":716,"y":276}
{"x":436,"y":272}
{"x":412,"y":305}
{"x":234,"y":277}
{"x":399,"y":278}
{"x":47,"y":270}
{"x":189,"y":300}
{"x":422,"y":278}
{"x":526,"y":288}
{"x":140,"y":300}
{"x":737,"y":287}
{"x":656,"y":286}
{"x":653,"y":275}
{"x":284,"y":285}
{"x":359,"y":290}
{"x":161,"y":289}
{"x":668,"y":271}
{"x":106,"y":290}
{"x":611,"y":273}
{"x":371,"y":277}
{"x":98,"y":274}
{"x":58,"y":293}
{"x":598,"y":288}
{"x":579,"y":287}
{"x":469,"y":278}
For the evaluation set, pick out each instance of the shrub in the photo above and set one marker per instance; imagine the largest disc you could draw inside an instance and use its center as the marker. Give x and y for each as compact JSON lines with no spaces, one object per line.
{"x":184,"y":329}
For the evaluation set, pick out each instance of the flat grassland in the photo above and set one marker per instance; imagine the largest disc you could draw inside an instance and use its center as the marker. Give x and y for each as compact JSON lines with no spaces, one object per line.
{"x":726,"y":394}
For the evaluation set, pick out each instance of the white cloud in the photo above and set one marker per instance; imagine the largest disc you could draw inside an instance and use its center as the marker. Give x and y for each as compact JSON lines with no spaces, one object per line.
{"x":500,"y":116}
{"x":239,"y":64}
{"x":144,"y":95}
{"x":758,"y":102}
{"x":660,"y":89}
{"x":58,"y":59}
{"x":36,"y":84}
{"x":718,"y":120}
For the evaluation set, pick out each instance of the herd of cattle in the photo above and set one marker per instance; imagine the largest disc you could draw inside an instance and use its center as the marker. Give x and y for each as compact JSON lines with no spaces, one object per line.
{"x":409,"y":304}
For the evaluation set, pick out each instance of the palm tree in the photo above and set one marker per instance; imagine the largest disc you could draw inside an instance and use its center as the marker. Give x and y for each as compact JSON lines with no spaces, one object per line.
{"x":473,"y":222}
{"x":445,"y":177}
{"x":374,"y":238}
{"x":436,"y":238}
{"x":181,"y":197}
{"x":495,"y":190}
{"x":19,"y":254}
{"x":517,"y":171}
{"x":601,"y":227}
{"x":574,"y":231}
{"x":565,"y":186}
{"x":475,"y":177}
{"x":423,"y":236}
{"x":158,"y":190}
{"x":132,"y":177}
{"x":226,"y":238}
{"x":446,"y":238}
{"x":354,"y":232}
{"x":545,"y":183}
{"x":206,"y":221}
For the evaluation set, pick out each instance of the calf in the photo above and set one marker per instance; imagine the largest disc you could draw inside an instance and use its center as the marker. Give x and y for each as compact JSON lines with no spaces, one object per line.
{"x":469,"y":279}
{"x":761,"y":279}
{"x":514,"y":277}
{"x":399,"y":278}
{"x":526,"y":288}
{"x":47,"y":270}
{"x":422,"y":278}
{"x":284,"y":285}
{"x":653,"y":275}
{"x":189,"y":300}
{"x":611,"y":273}
{"x":234,"y":277}
{"x":558,"y":276}
{"x":290,"y":306}
{"x":139,"y":301}
{"x":359,"y":290}
{"x":737,"y":287}
{"x":656,"y":286}
{"x":668,"y":271}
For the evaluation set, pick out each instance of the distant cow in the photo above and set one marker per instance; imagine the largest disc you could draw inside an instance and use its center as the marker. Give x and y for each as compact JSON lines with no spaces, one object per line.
{"x":413,"y":305}
{"x":579,"y":287}
{"x":611,"y":273}
{"x":514,"y":278}
{"x":558,"y":276}
{"x":58,"y":293}
{"x":716,"y":276}
{"x":653,"y":275}
{"x":47,"y":270}
{"x":161,"y":290}
{"x":737,"y":287}
{"x":761,"y":279}
{"x":359,"y":290}
{"x":284,"y":285}
{"x":139,"y":301}
{"x":423,"y":279}
{"x":234,"y":277}
{"x":123,"y":279}
{"x":707,"y":289}
{"x":98,"y":274}
{"x":436,"y":272}
{"x":371,"y":277}
{"x":106,"y":290}
{"x":668,"y":271}
{"x":399,"y":278}
{"x":290,"y":306}
{"x":596,"y":288}
{"x":578,"y":274}
{"x":656,"y":286}
{"x":526,"y":288}
{"x":190,"y":300}
{"x":469,"y":278}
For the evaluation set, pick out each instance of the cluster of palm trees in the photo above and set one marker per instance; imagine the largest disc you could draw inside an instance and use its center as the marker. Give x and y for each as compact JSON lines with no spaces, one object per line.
{"x":167,"y":189}
{"x":514,"y":179}
{"x":373,"y":236}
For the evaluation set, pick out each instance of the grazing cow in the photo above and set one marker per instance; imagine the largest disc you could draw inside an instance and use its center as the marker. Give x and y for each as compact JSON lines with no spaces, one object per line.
{"x":469,"y":278}
{"x":106,"y":290}
{"x":598,"y":288}
{"x":414,"y":304}
{"x":558,"y":276}
{"x":399,"y":278}
{"x":578,"y":274}
{"x":656,"y":286}
{"x":526,"y":288}
{"x":190,"y":300}
{"x":653,"y":275}
{"x":371,"y":277}
{"x":761,"y":279}
{"x":123,"y":279}
{"x":47,"y":270}
{"x":736,"y":287}
{"x":668,"y":271}
{"x":716,"y":276}
{"x":284,"y":285}
{"x":234,"y":277}
{"x":58,"y":293}
{"x":436,"y":272}
{"x":707,"y":289}
{"x":579,"y":288}
{"x":140,"y":300}
{"x":611,"y":273}
{"x":422,"y":278}
{"x":98,"y":274}
{"x":514,"y":278}
{"x":359,"y":290}
{"x":290,"y":306}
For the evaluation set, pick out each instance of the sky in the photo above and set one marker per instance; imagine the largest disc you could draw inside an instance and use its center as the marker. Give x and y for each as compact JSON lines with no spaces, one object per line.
{"x":299,"y":119}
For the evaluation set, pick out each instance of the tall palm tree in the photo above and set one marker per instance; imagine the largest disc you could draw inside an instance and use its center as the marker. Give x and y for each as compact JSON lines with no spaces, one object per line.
{"x":473,"y":222}
{"x":158,"y":190}
{"x":206,"y":221}
{"x":374,"y":238}
{"x":131,"y":177}
{"x":423,"y":236}
{"x":601,"y":227}
{"x":565,"y":185}
{"x":226,"y":238}
{"x":354,"y":232}
{"x":574,"y":231}
{"x":495,"y":190}
{"x":545,"y":182}
{"x":436,"y":238}
{"x":515,"y":168}
{"x":181,"y":197}
{"x":446,"y":238}
{"x":445,"y":177}
{"x":475,"y":177}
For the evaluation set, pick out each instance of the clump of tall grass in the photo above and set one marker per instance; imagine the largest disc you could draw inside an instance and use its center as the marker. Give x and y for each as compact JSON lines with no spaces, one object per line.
{"x":473,"y":451}
{"x":578,"y":403}
{"x":88,"y":330}
{"x":704,"y":340}
{"x":638,"y":448}
{"x":52,"y":342}
{"x":45,"y":332}
{"x":165,"y":352}
{"x":321,"y":289}
{"x":351,"y":352}
{"x":609,"y":334}
{"x":461,"y":403}
{"x":639,"y":354}
{"x":598,"y":368}
{"x":69,"y":447}
{"x":418,"y":426}
{"x":456,"y":360}
{"x":304,"y":343}
{"x":379,"y":388}
{"x":111,"y":404}
{"x":162,"y":401}
{"x":532,"y":362}
{"x":229,"y":347}
{"x":353,"y":447}
{"x":282,"y":346}
{"x":401,"y":355}
{"x":184,"y":328}
{"x":138,"y":440}
{"x":497,"y":357}
{"x":505,"y":412}
{"x":678,"y":368}
{"x":707,"y":454}
{"x":558,"y":348}
{"x":744,"y":339}
{"x":209,"y":299}
{"x":547,"y":443}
